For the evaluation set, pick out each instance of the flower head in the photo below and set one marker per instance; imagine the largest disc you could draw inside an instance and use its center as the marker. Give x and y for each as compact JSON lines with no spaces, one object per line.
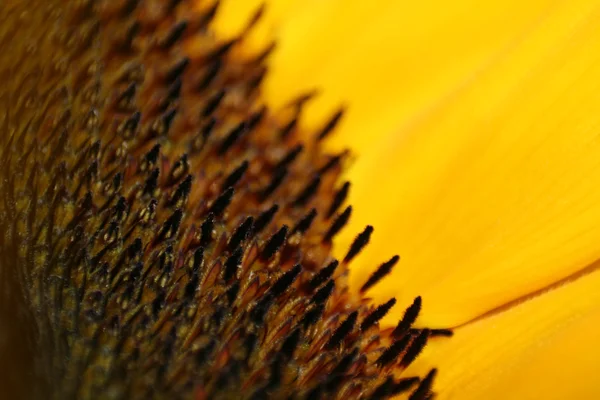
{"x":165,"y":233}
{"x":181,"y":216}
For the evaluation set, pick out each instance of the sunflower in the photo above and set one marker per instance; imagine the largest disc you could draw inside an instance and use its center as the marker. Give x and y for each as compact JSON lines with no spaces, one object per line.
{"x":182,"y":218}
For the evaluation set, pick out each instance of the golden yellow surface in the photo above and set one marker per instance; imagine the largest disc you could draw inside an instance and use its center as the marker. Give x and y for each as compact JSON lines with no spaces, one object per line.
{"x":544,"y":349}
{"x":477,"y":132}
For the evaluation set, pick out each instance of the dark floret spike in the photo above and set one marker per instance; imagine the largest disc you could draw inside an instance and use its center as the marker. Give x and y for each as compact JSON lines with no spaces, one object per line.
{"x":114,"y":186}
{"x":208,"y":15}
{"x":126,"y":97}
{"x":151,"y":183}
{"x":150,"y":158}
{"x":417,"y":345}
{"x":171,"y":95}
{"x":255,"y":82}
{"x":221,"y":202}
{"x":290,"y":156}
{"x":94,"y":149}
{"x":262,"y":56}
{"x":86,"y":203}
{"x":285,"y":281}
{"x":86,"y":158}
{"x":201,"y":138}
{"x":129,"y":35}
{"x":359,"y":243}
{"x":197,"y":261}
{"x":177,"y":69}
{"x":304,"y":224}
{"x":232,"y":264}
{"x":179,"y":169}
{"x":382,"y":271}
{"x":301,"y":100}
{"x":235,"y":176}
{"x":128,"y":7}
{"x":315,"y":393}
{"x":212,"y":71}
{"x":345,"y":363}
{"x":323,"y":275}
{"x":391,"y":353}
{"x":260,"y":393}
{"x":172,"y":5}
{"x":227,"y":375}
{"x":174,"y":35}
{"x":423,"y":391}
{"x":312,"y":316}
{"x":321,"y":296}
{"x":255,"y":119}
{"x":308,"y":192}
{"x":338,"y":224}
{"x":331,"y":163}
{"x":377,"y":314}
{"x":330,"y":125}
{"x":203,"y":354}
{"x":249,"y":345}
{"x":260,"y":309}
{"x":410,"y":316}
{"x":208,"y":128}
{"x":253,"y":20}
{"x":182,"y":192}
{"x":233,"y":136}
{"x":384,"y":390}
{"x":288,"y":128}
{"x":277,"y":368}
{"x":112,"y":233}
{"x":220,"y":50}
{"x":290,"y":343}
{"x":158,"y":304}
{"x":342,"y":331}
{"x":213,"y":103}
{"x":171,"y":226}
{"x":117,"y":181}
{"x":131,"y":72}
{"x":242,"y":128}
{"x":338,"y":199}
{"x":333,"y":382}
{"x":166,"y":259}
{"x":191,"y":286}
{"x":264,"y":219}
{"x":404,"y":385}
{"x":274,"y":243}
{"x":241,"y":233}
{"x":161,"y":126}
{"x":120,"y":209}
{"x":128,"y":128}
{"x":276,"y":181}
{"x":206,"y":230}
{"x":148,"y":213}
{"x":440,"y":333}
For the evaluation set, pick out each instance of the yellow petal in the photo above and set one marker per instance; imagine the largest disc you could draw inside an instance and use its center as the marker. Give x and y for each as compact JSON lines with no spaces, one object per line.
{"x":389,"y":60}
{"x":543,"y":349}
{"x":476,"y":126}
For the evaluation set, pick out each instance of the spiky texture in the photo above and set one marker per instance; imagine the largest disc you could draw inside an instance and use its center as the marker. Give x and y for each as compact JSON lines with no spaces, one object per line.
{"x":164,"y":234}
